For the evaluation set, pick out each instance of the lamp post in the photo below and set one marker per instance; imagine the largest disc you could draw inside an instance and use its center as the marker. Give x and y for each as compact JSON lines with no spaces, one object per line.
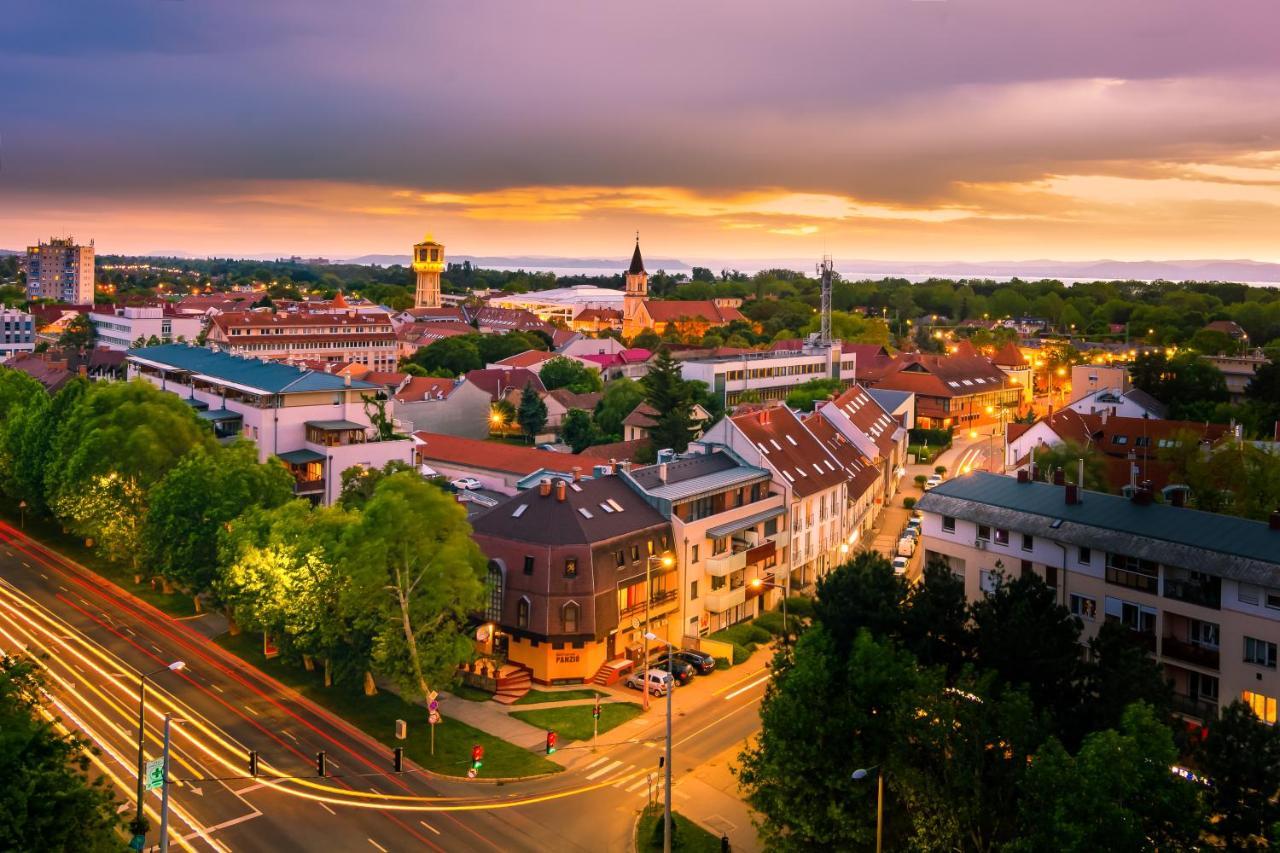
{"x":666,"y":808}
{"x":761,"y":583}
{"x":666,"y":561}
{"x":862,"y":773}
{"x":139,"y":823}
{"x":22,"y":514}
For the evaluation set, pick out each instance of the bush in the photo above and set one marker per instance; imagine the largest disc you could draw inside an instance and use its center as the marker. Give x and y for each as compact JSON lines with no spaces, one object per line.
{"x":940,"y":470}
{"x":771,"y":621}
{"x":909,"y":502}
{"x":921,"y":479}
{"x":740,"y":654}
{"x":723,"y":663}
{"x":931,"y":437}
{"x":798,"y":606}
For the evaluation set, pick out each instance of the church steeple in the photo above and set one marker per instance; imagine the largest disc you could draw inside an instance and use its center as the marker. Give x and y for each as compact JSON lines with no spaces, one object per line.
{"x":637,"y":262}
{"x":637,"y":291}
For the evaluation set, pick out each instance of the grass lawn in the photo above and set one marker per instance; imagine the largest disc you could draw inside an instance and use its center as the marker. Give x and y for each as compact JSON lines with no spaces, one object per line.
{"x":574,"y":722}
{"x":687,"y":835}
{"x":377,"y":715}
{"x":471,"y":694}
{"x":537,"y":697}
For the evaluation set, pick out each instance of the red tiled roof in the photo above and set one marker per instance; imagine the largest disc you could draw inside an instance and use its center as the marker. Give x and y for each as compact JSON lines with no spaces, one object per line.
{"x":489,"y":455}
{"x":1015,"y":430}
{"x":943,"y":376}
{"x":642,"y":416}
{"x":391,"y":379}
{"x":1009,"y":356}
{"x":964,"y":349}
{"x":434,"y":331}
{"x":560,"y":337}
{"x":270,"y":319}
{"x":870,"y":418}
{"x":420,"y":388}
{"x":706,"y":310}
{"x":791,"y":449}
{"x":859,"y":470}
{"x":570,"y":400}
{"x":608,"y":315}
{"x":620,"y":450}
{"x":498,"y":381}
{"x":429,"y":315}
{"x":529,"y":358}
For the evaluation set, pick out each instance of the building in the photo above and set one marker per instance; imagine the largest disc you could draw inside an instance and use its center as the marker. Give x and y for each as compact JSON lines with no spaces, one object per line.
{"x":1230,"y":328}
{"x":1238,"y":371}
{"x":17,"y":332}
{"x":688,"y":317}
{"x":499,"y":467}
{"x":768,"y":375}
{"x":497,"y":321}
{"x":1087,"y":379}
{"x":501,"y":382}
{"x":576,"y":578}
{"x":864,"y":488}
{"x":428,"y":264}
{"x":1198,"y":591}
{"x":446,"y":406}
{"x":632,"y":363}
{"x":1134,"y":403}
{"x":813,"y":481}
{"x":60,"y":270}
{"x":444,"y":314}
{"x":566,"y":401}
{"x":729,"y":525}
{"x":643,"y":418}
{"x":562,"y":304}
{"x":119,"y":327}
{"x":955,"y":392}
{"x":596,"y":320}
{"x":52,"y":320}
{"x":318,"y":424}
{"x":1010,"y":359}
{"x":877,"y":435}
{"x":351,"y":336}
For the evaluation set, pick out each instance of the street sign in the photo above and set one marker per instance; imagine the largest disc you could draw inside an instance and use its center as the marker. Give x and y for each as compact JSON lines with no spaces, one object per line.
{"x":154,"y":774}
{"x":434,"y":718}
{"x":138,"y":842}
{"x":433,"y":705}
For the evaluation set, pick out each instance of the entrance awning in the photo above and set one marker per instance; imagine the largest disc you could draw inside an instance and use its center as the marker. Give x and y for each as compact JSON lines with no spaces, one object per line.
{"x":731,"y":527}
{"x":301,"y":457}
{"x":220,"y":415}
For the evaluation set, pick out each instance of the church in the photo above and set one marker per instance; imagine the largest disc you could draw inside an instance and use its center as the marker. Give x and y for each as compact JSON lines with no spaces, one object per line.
{"x":691,"y":318}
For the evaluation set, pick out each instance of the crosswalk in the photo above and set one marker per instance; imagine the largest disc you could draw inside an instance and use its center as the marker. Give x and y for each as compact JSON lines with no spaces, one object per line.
{"x":647,"y":783}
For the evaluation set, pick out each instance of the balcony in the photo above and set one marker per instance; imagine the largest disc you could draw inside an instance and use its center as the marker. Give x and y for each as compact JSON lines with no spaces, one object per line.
{"x":659,"y":602}
{"x":725,"y":599}
{"x":1206,"y":656}
{"x":1140,"y":581}
{"x":308,"y":487}
{"x":726,"y":564}
{"x":1203,"y":590}
{"x":1199,"y":707}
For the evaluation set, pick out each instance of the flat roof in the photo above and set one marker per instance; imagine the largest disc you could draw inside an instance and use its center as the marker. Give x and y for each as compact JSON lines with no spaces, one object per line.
{"x":270,"y":377}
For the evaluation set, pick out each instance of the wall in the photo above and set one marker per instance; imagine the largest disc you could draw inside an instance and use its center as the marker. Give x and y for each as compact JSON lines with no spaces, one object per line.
{"x":465,"y":412}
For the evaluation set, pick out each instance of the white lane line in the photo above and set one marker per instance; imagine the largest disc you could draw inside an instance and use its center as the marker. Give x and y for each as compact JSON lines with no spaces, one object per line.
{"x":637,"y":785}
{"x":595,"y":763}
{"x":603,"y":770}
{"x":215,"y":687}
{"x":429,"y":826}
{"x":247,"y":708}
{"x":326,"y":808}
{"x":376,"y":844}
{"x":761,"y":680}
{"x":726,"y":716}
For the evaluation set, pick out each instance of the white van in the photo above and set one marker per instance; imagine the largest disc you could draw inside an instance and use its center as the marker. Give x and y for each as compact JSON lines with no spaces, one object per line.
{"x":655,"y":681}
{"x":906,"y":546}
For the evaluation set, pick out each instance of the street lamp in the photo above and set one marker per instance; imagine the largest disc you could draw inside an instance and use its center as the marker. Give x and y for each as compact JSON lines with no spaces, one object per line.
{"x":671,"y":685}
{"x":22,"y":514}
{"x":139,"y":822}
{"x":666,"y":561}
{"x":862,"y":773}
{"x":761,"y":583}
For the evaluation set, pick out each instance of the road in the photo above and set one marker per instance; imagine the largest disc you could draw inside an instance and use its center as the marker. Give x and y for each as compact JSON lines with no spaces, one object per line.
{"x":95,"y":641}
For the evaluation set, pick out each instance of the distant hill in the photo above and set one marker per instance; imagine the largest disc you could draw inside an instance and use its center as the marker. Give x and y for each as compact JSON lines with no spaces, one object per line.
{"x":10,"y":252}
{"x":532,"y":262}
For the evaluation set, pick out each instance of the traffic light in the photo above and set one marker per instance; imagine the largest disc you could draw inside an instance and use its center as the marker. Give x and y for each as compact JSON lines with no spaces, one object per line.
{"x":595,"y":710}
{"x":477,"y":756}
{"x":253,"y":763}
{"x":551,"y":742}
{"x":321,"y":766}
{"x":397,"y":759}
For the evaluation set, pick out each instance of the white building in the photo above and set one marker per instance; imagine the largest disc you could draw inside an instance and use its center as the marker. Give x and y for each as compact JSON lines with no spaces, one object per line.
{"x":17,"y":332}
{"x":1134,"y":403}
{"x":770,"y":375}
{"x":561,"y":303}
{"x":117,"y":328}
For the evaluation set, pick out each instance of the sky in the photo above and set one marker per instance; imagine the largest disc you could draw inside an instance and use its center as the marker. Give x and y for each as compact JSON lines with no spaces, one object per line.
{"x":877,"y":129}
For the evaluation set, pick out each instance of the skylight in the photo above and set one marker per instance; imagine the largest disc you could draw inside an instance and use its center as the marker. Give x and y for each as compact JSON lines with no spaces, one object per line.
{"x":829,"y":465}
{"x":775,"y":444}
{"x":519,"y":511}
{"x":801,"y":472}
{"x":617,"y":507}
{"x":790,"y":479}
{"x":585,"y":512}
{"x":575,"y":487}
{"x":817,"y":468}
{"x":604,"y":506}
{"x":763,"y":449}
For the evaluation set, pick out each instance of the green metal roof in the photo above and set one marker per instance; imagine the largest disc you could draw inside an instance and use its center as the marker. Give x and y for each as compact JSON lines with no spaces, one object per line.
{"x":219,"y":415}
{"x":336,"y":425}
{"x":743,"y":523}
{"x":271,"y":377}
{"x":300,"y":457}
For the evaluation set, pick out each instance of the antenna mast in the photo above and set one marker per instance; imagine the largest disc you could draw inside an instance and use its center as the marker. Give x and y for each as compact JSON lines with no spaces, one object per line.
{"x":824,"y":271}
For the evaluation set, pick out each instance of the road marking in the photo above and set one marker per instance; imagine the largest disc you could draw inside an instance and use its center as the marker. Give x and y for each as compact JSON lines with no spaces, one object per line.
{"x":719,"y":721}
{"x":155,"y":648}
{"x":251,"y":711}
{"x":739,"y":680}
{"x":290,"y":735}
{"x":43,"y":575}
{"x":429,"y":826}
{"x":216,"y":687}
{"x":596,"y":763}
{"x":251,"y":789}
{"x":376,"y":844}
{"x":761,"y":680}
{"x":326,"y":808}
{"x":613,"y":765}
{"x":638,"y":784}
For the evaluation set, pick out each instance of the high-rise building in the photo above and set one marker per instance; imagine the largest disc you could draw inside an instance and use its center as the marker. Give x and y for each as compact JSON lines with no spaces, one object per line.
{"x":428,"y":263}
{"x":60,"y":270}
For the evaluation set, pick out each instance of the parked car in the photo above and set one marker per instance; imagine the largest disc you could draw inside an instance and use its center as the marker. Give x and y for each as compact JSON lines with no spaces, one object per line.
{"x":701,"y":661}
{"x":917,"y":515}
{"x":655,"y":681}
{"x":906,"y":546}
{"x":934,"y":480}
{"x":464,"y":484}
{"x":681,"y":669}
{"x":899,"y":565}
{"x":913,"y":524}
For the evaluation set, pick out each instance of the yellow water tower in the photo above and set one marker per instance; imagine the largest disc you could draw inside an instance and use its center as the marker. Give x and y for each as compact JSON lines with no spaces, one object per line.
{"x":428,"y":263}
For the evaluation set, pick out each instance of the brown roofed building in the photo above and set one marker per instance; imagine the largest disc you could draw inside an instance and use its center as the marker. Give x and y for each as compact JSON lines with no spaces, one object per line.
{"x":953,"y":392}
{"x":366,"y":338}
{"x":689,"y":317}
{"x":496,"y":465}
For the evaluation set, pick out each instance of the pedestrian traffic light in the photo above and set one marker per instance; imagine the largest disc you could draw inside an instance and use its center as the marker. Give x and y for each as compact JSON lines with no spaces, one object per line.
{"x":253,"y":763}
{"x":595,"y":710}
{"x":321,"y":765}
{"x":477,"y":756}
{"x":397,"y":759}
{"x":551,"y":742}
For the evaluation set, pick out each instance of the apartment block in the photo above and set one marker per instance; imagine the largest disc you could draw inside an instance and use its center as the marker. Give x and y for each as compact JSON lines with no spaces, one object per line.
{"x":17,"y":332}
{"x":60,"y":270}
{"x":118,"y":327}
{"x":332,"y":336}
{"x":1200,"y":592}
{"x":769,"y":375}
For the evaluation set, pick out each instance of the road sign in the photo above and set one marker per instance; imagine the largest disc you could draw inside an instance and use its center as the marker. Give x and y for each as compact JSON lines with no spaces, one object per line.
{"x":433,"y":705}
{"x":138,"y":842}
{"x":434,"y":718}
{"x":154,"y":774}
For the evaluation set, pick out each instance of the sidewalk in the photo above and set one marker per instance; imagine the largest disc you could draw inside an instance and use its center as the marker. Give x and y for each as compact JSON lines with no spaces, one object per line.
{"x":710,"y":797}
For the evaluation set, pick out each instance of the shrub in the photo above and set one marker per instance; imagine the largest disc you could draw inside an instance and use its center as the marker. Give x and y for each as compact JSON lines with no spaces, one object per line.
{"x":931,"y":437}
{"x":740,"y":655}
{"x":921,"y":479}
{"x":940,"y":470}
{"x":771,"y":621}
{"x":798,"y":606}
{"x":723,"y":663}
{"x":909,"y":502}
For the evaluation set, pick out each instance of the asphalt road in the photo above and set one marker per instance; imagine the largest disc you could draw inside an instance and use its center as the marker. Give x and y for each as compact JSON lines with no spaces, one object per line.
{"x":96,"y":640}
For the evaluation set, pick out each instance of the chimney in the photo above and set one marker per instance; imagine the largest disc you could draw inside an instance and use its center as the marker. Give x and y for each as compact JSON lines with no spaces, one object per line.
{"x":561,"y":490}
{"x":1104,"y":413}
{"x":577,"y":473}
{"x":346,"y":379}
{"x":1072,"y":493}
{"x":83,"y":369}
{"x":1023,"y":476}
{"x":1059,"y":478}
{"x":1178,"y":497}
{"x":1274,"y":522}
{"x":662,"y":472}
{"x":544,"y":486}
{"x":1142,"y":496}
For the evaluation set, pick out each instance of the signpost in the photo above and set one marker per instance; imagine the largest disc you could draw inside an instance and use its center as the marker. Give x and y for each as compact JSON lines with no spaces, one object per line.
{"x":433,"y":717}
{"x":595,"y":721}
{"x":154,"y":775}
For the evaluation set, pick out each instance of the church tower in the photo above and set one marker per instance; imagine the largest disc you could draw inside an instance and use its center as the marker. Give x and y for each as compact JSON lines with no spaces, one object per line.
{"x":634,"y":317}
{"x":428,"y":263}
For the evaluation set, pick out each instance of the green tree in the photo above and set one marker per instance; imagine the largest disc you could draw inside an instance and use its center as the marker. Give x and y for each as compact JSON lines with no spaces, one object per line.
{"x":1241,"y":756}
{"x":16,"y":388}
{"x":1116,"y":793}
{"x":672,"y":398}
{"x":561,"y":372}
{"x":647,"y":339}
{"x":26,"y":442}
{"x":532,"y":413}
{"x":417,"y":571}
{"x":196,"y":499}
{"x":359,"y":483}
{"x":457,"y":355}
{"x":1263,"y":394}
{"x":1067,"y":455}
{"x":78,"y":334}
{"x":1185,"y":382}
{"x":47,"y":801}
{"x":1119,"y":673}
{"x":1213,"y":342}
{"x":804,"y":396}
{"x":621,"y":396}
{"x":578,"y":431}
{"x":497,"y":347}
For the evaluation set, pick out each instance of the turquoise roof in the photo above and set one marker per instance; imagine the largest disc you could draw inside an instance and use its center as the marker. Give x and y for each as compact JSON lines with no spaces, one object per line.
{"x":271,"y":377}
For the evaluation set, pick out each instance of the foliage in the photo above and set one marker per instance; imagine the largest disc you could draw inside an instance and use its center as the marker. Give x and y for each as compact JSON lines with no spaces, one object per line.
{"x":574,"y":722}
{"x":805,"y":395}
{"x":578,"y":431}
{"x":931,"y":437}
{"x":375,"y":409}
{"x":532,"y":413}
{"x":561,"y":372}
{"x":1234,"y":478}
{"x":1242,"y":757}
{"x":1067,"y":455}
{"x":47,"y":801}
{"x":909,"y":502}
{"x":79,"y":333}
{"x":1183,"y":382}
{"x":359,"y":483}
{"x":621,"y":396}
{"x":26,"y":440}
{"x":672,"y":398}
{"x":457,"y":355}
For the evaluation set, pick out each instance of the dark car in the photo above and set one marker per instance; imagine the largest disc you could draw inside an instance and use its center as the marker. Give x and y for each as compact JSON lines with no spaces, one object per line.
{"x":700,"y":661}
{"x":682,"y":671}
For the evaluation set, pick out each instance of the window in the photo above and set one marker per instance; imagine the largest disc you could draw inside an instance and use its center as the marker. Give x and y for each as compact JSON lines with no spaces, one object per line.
{"x":984,"y":532}
{"x":948,"y":524}
{"x":988,"y":581}
{"x":621,"y":557}
{"x":1028,"y":542}
{"x":1204,"y":633}
{"x":1263,"y":706}
{"x":719,"y":546}
{"x":693,"y":590}
{"x":1259,"y":652}
{"x":522,"y":613}
{"x":571,"y":567}
{"x":771,"y":527}
{"x":1273,"y":599}
{"x":493,"y":612}
{"x":1247,"y":593}
{"x":1084,"y":607}
{"x":1119,"y":439}
{"x":569,"y":617}
{"x":1084,"y":556}
{"x":1027,"y":568}
{"x":635,"y":553}
{"x":717,"y":583}
{"x":694,"y":554}
{"x":1002,"y":537}
{"x":1135,"y":617}
{"x":1051,"y":577}
{"x":528,"y":565}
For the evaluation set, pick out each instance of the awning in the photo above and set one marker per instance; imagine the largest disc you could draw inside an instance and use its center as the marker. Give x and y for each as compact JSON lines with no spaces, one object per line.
{"x":199,"y":405}
{"x":220,"y":415}
{"x":332,"y":426}
{"x":731,"y":527}
{"x":301,"y":457}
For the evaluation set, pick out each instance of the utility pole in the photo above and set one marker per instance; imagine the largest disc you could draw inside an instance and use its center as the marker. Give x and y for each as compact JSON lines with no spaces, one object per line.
{"x":824,"y":272}
{"x":164,"y":790}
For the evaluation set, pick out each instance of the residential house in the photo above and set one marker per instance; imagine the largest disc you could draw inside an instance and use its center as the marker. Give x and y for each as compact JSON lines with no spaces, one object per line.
{"x":1010,"y":359}
{"x":445,"y":406}
{"x":1134,"y":403}
{"x":643,"y":418}
{"x":1238,"y":371}
{"x":1087,"y":379}
{"x":498,"y":466}
{"x":765,"y":375}
{"x":118,"y":327}
{"x":876,"y":435}
{"x":955,"y":392}
{"x":17,"y":332}
{"x":632,"y":363}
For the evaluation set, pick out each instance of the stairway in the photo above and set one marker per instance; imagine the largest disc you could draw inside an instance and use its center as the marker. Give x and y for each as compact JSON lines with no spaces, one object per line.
{"x":513,"y":682}
{"x":612,"y":671}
